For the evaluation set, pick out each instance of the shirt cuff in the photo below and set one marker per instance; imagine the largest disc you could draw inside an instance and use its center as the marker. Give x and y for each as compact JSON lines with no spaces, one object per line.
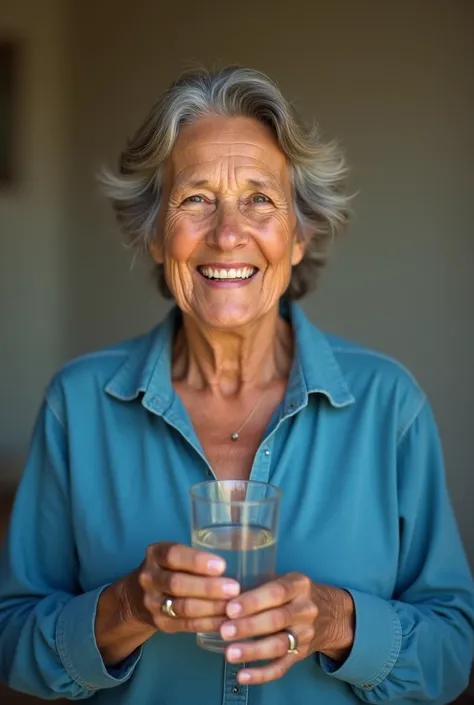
{"x":377,"y":643}
{"x":77,"y":647}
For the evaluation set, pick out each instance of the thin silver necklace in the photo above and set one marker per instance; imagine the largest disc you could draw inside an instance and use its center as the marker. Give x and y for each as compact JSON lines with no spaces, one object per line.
{"x":236,"y":434}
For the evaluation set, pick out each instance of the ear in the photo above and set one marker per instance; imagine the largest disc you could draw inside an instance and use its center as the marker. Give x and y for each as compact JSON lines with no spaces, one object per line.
{"x":299,"y":247}
{"x":298,"y":253}
{"x":156,"y":251}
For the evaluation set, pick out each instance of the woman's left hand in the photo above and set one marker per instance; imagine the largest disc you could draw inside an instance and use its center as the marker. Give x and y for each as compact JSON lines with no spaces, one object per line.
{"x":319,"y":616}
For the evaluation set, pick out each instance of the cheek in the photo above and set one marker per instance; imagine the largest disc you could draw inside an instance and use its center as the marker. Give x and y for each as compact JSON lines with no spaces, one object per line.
{"x":180,"y":240}
{"x":276,"y":242}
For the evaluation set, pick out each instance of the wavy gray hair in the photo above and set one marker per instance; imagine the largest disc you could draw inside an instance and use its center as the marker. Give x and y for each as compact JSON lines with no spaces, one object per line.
{"x":318,"y":169}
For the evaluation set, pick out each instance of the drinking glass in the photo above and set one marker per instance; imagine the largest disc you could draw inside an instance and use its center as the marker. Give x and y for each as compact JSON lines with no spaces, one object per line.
{"x":238,"y":521}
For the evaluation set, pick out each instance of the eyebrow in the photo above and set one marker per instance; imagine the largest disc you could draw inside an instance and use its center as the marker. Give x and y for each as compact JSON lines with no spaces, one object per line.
{"x":264,"y":184}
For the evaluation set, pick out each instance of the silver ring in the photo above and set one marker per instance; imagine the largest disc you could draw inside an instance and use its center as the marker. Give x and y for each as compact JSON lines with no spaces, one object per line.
{"x":292,"y":642}
{"x":167,"y":607}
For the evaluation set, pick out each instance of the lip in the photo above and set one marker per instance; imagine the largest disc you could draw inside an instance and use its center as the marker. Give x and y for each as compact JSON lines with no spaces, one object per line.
{"x":227,"y":265}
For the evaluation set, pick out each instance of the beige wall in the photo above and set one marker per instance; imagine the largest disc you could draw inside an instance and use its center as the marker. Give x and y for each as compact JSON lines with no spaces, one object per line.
{"x":32,"y":227}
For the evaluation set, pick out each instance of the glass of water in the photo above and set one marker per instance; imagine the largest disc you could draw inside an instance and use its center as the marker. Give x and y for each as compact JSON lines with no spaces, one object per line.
{"x":237,"y":520}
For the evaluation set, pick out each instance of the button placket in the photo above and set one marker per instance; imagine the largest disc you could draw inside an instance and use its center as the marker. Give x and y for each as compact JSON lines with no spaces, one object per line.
{"x":234,"y":692}
{"x":261,"y":465}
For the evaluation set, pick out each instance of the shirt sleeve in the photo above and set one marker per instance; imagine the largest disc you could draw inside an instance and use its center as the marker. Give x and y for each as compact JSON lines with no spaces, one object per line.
{"x":47,"y":641}
{"x":418,"y":646}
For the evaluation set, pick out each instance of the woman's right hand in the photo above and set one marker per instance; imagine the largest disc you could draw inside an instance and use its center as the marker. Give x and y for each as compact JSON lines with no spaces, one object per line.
{"x":192,"y":579}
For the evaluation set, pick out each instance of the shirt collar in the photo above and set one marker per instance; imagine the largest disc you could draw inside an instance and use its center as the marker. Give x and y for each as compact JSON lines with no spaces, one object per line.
{"x":315,"y":367}
{"x":147,"y":369}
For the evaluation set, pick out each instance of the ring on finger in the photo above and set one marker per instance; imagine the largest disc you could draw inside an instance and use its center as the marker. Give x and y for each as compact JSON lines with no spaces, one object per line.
{"x":292,"y":642}
{"x":167,"y":607}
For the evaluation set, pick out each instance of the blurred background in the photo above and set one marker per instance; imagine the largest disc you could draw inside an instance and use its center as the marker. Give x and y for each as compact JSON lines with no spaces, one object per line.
{"x":392,"y":81}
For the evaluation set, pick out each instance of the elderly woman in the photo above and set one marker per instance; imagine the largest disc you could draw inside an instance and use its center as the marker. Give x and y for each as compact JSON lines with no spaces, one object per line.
{"x":101,"y":595}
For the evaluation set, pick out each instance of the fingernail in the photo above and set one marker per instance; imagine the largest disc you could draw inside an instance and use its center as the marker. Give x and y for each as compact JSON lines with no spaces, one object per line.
{"x":234,"y":654}
{"x":233,"y":609}
{"x":228,"y":631}
{"x":231,"y":589}
{"x":244,"y":677}
{"x":216,"y":565}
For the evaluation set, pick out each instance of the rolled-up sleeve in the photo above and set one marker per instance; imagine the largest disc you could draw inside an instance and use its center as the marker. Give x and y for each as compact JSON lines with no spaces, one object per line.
{"x":418,"y":646}
{"x":47,"y":641}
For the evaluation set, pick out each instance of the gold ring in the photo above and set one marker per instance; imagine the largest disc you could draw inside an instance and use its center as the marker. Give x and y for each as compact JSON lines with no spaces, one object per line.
{"x":167,"y":607}
{"x":292,"y":642}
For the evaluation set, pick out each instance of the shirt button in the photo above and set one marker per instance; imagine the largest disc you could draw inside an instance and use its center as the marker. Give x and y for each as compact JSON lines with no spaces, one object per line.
{"x":235,"y":690}
{"x":292,"y":404}
{"x":266,"y":452}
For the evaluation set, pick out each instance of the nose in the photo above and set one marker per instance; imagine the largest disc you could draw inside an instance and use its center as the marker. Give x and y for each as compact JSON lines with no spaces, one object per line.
{"x":229,"y":231}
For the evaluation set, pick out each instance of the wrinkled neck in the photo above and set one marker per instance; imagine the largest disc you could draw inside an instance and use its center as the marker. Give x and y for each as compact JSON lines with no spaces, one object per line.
{"x":229,"y":362}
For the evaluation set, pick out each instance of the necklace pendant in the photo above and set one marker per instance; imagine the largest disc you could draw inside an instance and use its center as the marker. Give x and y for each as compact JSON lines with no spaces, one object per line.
{"x":235,"y":436}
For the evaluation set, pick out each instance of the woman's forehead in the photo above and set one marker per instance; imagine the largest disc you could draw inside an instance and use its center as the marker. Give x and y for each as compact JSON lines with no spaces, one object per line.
{"x":215,"y":142}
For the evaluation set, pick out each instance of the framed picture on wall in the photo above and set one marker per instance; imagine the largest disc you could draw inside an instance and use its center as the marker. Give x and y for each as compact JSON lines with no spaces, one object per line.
{"x":8,"y":79}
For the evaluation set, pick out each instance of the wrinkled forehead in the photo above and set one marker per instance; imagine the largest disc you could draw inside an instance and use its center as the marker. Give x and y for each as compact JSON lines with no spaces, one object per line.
{"x":217,"y":143}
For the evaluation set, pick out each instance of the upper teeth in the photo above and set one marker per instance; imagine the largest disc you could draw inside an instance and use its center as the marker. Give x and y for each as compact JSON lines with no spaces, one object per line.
{"x":243,"y":273}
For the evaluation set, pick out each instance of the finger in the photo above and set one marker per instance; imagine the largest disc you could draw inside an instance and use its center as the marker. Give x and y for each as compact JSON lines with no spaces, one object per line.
{"x":273,"y":594}
{"x":185,"y":585}
{"x":202,"y":624}
{"x":275,"y":670}
{"x":269,"y":622}
{"x":193,"y":608}
{"x":170,"y":625}
{"x":268,"y":648}
{"x":176,"y":556}
{"x":190,"y":608}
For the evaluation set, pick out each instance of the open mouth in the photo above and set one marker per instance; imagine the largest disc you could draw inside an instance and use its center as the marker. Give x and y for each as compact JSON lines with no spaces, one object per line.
{"x":227,"y":274}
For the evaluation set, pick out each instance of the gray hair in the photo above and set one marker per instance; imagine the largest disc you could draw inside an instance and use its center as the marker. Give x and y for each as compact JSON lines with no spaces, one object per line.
{"x":318,"y":169}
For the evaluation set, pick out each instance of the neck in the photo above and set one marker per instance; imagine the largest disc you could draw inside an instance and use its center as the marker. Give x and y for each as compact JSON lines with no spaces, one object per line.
{"x":229,"y":362}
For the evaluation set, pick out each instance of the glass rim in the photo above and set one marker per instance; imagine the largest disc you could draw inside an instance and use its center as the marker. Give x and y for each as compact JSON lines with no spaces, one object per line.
{"x":235,"y":502}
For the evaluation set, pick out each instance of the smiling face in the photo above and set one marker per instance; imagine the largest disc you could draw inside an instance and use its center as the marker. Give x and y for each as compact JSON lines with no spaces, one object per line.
{"x":227,"y":230}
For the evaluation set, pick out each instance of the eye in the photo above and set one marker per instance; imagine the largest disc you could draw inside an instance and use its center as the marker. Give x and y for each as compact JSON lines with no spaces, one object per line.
{"x":195,"y":198}
{"x":259,"y":198}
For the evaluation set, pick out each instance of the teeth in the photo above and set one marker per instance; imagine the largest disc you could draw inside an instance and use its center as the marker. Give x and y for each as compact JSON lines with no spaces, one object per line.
{"x":243,"y":273}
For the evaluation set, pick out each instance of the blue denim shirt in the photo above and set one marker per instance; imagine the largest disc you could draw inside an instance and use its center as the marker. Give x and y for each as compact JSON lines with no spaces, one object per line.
{"x":355,"y":450}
